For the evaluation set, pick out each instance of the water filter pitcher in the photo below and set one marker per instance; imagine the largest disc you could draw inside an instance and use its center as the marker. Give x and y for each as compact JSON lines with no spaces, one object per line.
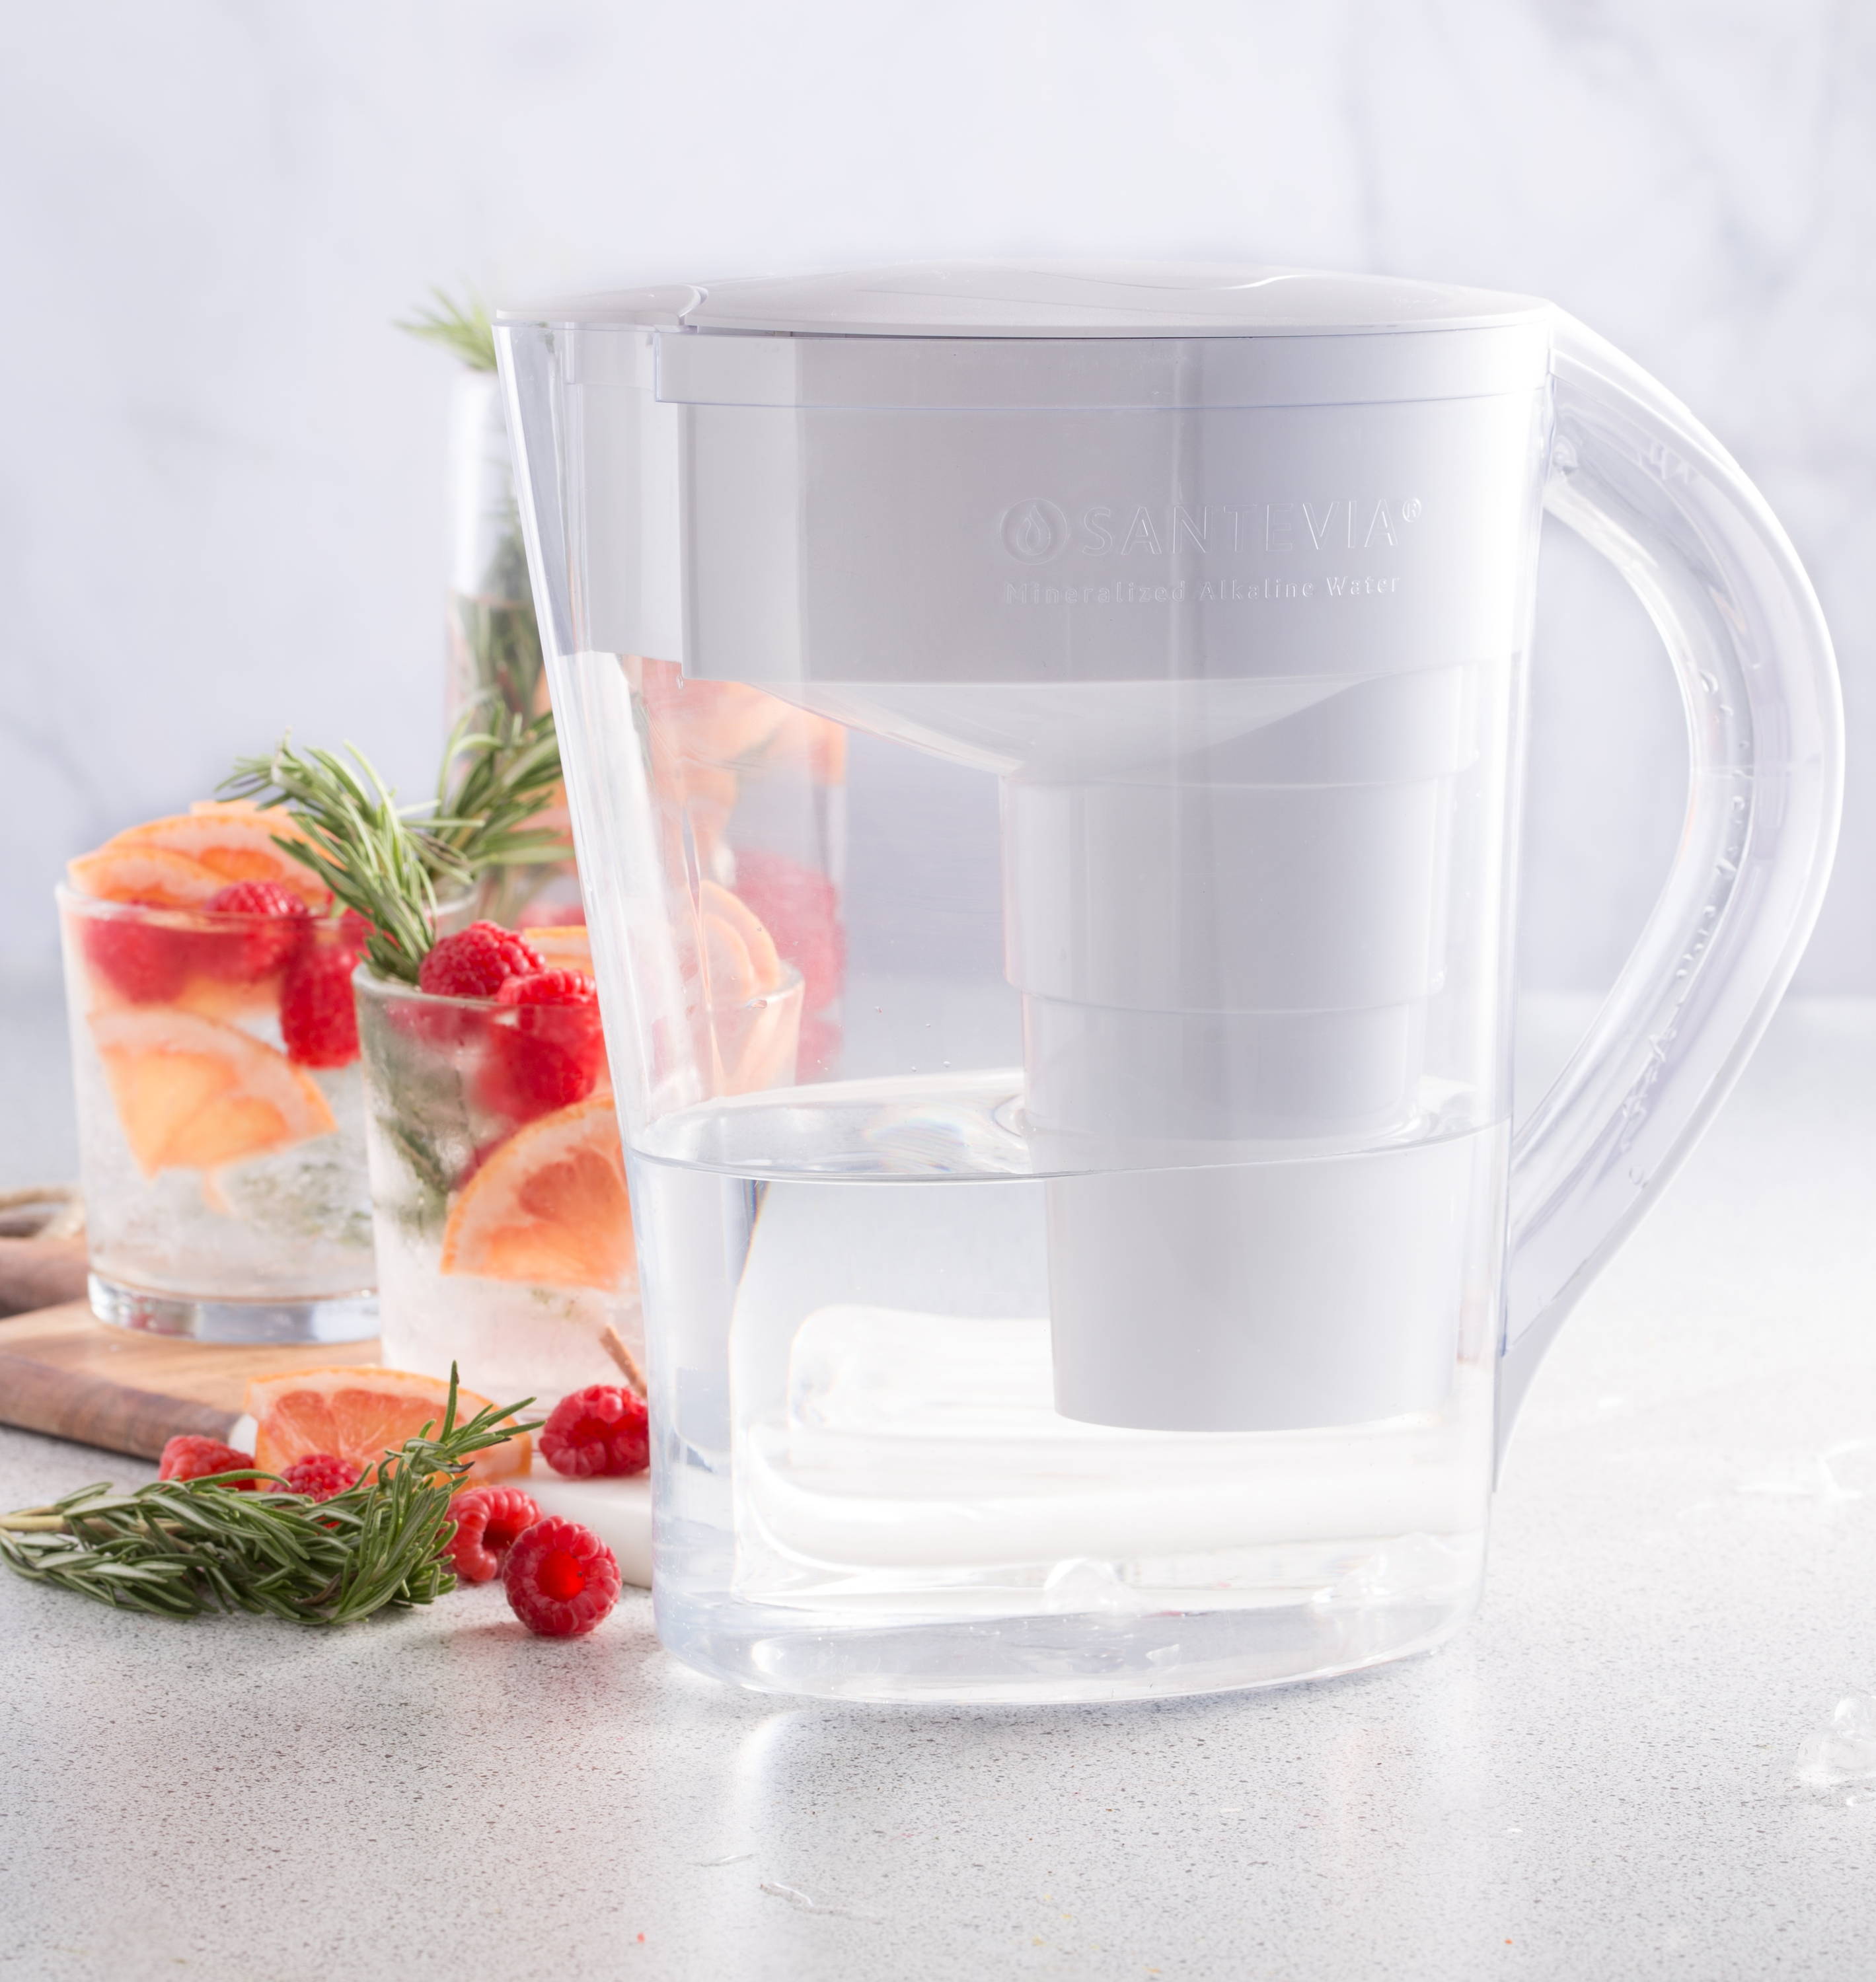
{"x":1044,"y":747}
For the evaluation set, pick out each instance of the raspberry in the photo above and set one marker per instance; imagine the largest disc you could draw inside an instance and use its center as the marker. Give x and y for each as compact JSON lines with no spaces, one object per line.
{"x":602,"y":1428}
{"x":800,"y":908}
{"x":148,"y":961}
{"x":188,"y":1457}
{"x":549,"y":1054}
{"x":572,"y":988}
{"x":490,"y":1520}
{"x":561,"y":1579}
{"x":320,"y":1476}
{"x":318,"y":1021}
{"x":255,"y":898}
{"x":273,"y":926}
{"x":476,"y":963}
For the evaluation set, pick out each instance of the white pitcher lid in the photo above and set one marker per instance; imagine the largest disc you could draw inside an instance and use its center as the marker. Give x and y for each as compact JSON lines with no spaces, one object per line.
{"x":1056,"y":299}
{"x":959,"y":334}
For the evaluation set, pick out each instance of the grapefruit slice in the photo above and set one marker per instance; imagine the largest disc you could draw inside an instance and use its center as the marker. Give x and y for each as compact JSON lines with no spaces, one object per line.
{"x":548,"y":1206}
{"x":235,"y":842}
{"x":708,"y":722}
{"x":360,"y":1413}
{"x":734,"y":919}
{"x":800,"y":908}
{"x":194,"y":1094}
{"x":157,"y":875}
{"x":561,"y":946}
{"x":727,"y":968}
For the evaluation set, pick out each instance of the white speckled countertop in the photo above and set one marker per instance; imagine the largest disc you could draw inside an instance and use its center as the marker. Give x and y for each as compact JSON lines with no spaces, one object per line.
{"x":1594,"y":1782}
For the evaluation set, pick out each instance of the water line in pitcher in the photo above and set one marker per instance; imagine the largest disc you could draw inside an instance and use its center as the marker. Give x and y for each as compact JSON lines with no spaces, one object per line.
{"x":858,"y":1294}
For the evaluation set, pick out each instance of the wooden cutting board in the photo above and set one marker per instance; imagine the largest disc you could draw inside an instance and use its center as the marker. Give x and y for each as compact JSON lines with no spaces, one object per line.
{"x":63,"y":1371}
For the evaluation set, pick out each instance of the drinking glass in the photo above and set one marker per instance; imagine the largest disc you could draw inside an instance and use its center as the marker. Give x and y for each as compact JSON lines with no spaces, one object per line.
{"x":223,"y":1179}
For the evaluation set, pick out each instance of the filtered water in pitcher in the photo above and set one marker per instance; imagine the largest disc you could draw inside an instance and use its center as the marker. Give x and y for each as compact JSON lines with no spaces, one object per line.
{"x":1083,"y":1275}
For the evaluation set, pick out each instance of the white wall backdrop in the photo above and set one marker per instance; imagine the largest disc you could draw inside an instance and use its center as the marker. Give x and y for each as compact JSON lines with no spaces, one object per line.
{"x":222,"y":505}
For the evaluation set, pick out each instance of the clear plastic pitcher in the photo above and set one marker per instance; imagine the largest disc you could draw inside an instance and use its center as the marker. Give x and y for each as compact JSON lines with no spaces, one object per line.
{"x":1084,"y":1250}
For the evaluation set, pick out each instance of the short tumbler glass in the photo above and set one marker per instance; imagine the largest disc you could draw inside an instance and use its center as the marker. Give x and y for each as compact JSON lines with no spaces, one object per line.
{"x":225,"y":1184}
{"x":505,"y":1242}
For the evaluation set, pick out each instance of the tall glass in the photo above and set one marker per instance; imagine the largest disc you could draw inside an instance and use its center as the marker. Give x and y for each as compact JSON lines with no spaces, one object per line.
{"x":496,"y":660}
{"x":223,"y":1164}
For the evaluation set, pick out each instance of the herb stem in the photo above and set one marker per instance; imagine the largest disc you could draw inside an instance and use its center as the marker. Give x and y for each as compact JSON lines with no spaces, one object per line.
{"x":385,"y":861}
{"x":179,"y":1547}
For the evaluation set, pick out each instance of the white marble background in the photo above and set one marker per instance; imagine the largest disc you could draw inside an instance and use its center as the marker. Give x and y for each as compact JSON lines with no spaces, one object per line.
{"x":221,"y":506}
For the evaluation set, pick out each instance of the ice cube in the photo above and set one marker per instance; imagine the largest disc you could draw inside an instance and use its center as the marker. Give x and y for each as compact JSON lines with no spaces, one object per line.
{"x":1851,"y":1468}
{"x":1845,"y":1752}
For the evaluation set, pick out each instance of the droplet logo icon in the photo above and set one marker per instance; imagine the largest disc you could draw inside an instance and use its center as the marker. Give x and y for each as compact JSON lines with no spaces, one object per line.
{"x":1034,"y":531}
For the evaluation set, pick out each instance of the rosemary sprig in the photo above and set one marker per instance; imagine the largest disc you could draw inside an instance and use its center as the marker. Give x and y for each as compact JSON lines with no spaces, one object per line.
{"x":361,"y":847}
{"x":462,"y":327}
{"x":177,"y":1548}
{"x":389,"y":861}
{"x":497,"y":638}
{"x":498,"y":771}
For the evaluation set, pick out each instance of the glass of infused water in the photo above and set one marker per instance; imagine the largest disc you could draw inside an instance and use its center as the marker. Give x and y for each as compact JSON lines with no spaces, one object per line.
{"x":503,"y":1219}
{"x":216,"y":1061}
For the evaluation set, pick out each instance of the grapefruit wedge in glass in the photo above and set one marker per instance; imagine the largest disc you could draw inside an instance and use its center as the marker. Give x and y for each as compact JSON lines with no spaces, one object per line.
{"x":193,"y":1093}
{"x":505,"y":1245}
{"x":214,"y":1054}
{"x":226,"y":842}
{"x":549,"y":1205}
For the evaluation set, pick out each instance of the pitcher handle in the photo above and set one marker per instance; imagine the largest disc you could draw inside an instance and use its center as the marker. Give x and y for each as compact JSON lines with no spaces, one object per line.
{"x":1635,"y":475}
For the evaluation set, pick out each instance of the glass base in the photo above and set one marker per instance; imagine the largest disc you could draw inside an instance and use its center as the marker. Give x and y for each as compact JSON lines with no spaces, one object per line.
{"x":352,"y":1317}
{"x":1050,"y":1660}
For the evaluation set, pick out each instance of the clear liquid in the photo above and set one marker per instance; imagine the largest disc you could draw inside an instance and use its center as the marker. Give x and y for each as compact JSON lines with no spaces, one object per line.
{"x":293,"y":1225}
{"x":512,"y":1338}
{"x":864,"y":1489}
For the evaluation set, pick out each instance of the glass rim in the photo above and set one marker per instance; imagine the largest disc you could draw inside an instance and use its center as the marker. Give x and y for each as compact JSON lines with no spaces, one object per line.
{"x":366,"y":979}
{"x":103,"y":907}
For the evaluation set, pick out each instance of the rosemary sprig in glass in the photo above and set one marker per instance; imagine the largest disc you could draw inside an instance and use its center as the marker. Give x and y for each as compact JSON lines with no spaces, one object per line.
{"x":358,"y":843}
{"x":177,"y":1548}
{"x":462,"y":328}
{"x":498,"y":771}
{"x":390,"y":861}
{"x":495,"y":639}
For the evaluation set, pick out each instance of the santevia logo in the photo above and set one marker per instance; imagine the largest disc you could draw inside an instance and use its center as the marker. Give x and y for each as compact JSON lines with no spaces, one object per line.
{"x":1035,"y":531}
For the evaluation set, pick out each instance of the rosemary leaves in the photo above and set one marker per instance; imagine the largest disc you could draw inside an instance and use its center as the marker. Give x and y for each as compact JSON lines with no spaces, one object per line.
{"x":177,"y":1548}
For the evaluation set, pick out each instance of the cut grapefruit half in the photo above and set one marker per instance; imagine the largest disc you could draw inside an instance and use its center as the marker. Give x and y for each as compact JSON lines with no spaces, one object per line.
{"x":360,"y":1413}
{"x":192,"y":1093}
{"x":548,"y":1206}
